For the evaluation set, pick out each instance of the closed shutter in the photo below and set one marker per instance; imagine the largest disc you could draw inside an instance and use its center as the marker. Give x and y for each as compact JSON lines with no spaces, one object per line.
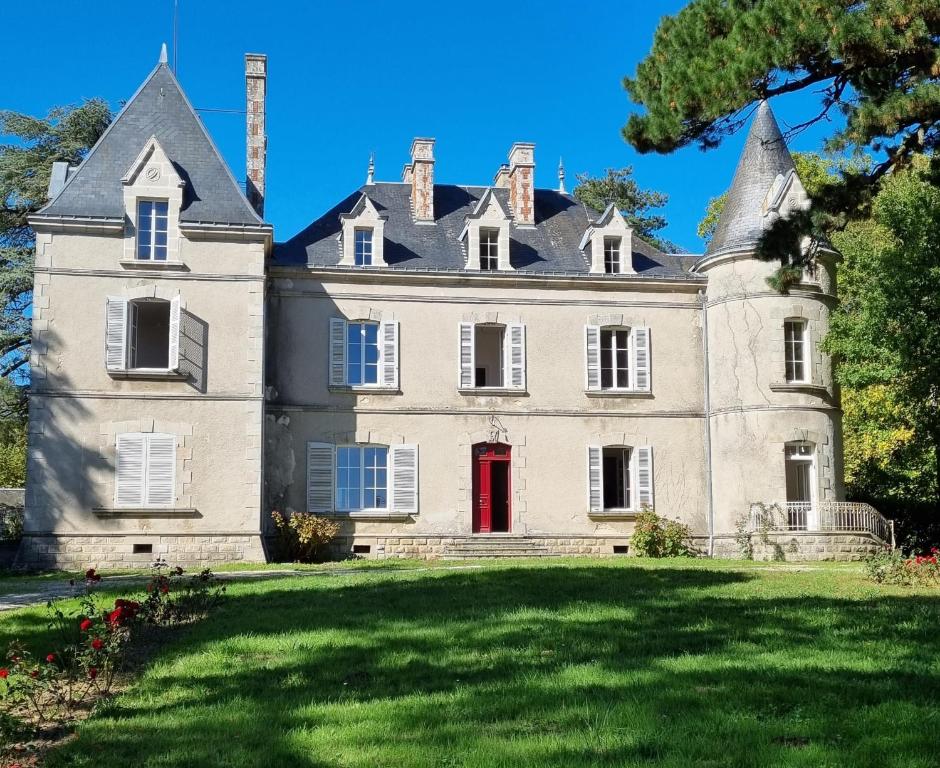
{"x":595,"y":479}
{"x":115,"y":337}
{"x":174,"y":356}
{"x":161,"y":470}
{"x":641,"y":359}
{"x":516,"y":355}
{"x":130,"y":470}
{"x":592,"y":347}
{"x":404,"y":495}
{"x":337,"y":352}
{"x":389,"y":335}
{"x":320,"y":459}
{"x":643,"y":461}
{"x":466,"y":373}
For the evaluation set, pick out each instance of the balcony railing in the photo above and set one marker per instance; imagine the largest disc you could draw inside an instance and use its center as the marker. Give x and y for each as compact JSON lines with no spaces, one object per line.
{"x":846,"y":516}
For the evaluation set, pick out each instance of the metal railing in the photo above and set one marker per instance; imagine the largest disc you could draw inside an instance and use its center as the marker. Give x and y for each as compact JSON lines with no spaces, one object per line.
{"x":822,"y":516}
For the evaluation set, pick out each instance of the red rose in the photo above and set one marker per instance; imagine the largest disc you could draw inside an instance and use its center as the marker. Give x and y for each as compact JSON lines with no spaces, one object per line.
{"x":86,"y":625}
{"x":92,"y":672}
{"x":34,"y":673}
{"x":164,"y":588}
{"x":114,"y":618}
{"x":97,"y":644}
{"x":4,"y":673}
{"x":50,"y":658}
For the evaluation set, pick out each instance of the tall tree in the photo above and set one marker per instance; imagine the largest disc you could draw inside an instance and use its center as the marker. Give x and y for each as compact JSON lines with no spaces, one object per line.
{"x":618,"y":186}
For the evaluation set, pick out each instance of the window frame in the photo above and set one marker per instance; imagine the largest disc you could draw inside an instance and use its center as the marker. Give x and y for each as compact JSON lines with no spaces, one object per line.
{"x":361,"y":448}
{"x":132,"y":329}
{"x":628,"y":455}
{"x":489,"y":241}
{"x":613,"y":255}
{"x":359,"y":254}
{"x":362,"y":325}
{"x":152,"y":244}
{"x":628,"y":350}
{"x":792,"y":345}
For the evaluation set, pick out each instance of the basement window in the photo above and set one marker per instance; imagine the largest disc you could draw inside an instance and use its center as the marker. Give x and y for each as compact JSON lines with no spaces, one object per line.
{"x":361,"y":549}
{"x":143,"y":549}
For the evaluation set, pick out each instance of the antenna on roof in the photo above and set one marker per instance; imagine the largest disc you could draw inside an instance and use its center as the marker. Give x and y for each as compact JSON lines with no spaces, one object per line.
{"x":370,"y":176}
{"x":162,"y":59}
{"x":561,"y":176}
{"x":176,"y":17}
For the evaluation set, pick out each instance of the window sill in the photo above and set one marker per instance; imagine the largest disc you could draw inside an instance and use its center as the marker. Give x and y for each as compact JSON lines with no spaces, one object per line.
{"x":492,"y":392}
{"x":163,"y":513}
{"x":796,"y":386}
{"x":153,"y":264}
{"x":613,"y":514}
{"x":372,"y":514}
{"x":633,"y":393}
{"x":365,"y":389}
{"x":142,"y":373}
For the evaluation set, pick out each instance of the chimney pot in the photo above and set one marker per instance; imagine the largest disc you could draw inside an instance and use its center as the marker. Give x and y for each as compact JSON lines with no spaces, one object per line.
{"x":522,"y":182}
{"x":256,"y":85}
{"x":422,"y":179}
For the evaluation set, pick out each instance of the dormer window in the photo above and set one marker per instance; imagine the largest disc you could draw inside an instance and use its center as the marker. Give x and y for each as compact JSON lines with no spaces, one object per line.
{"x":152,"y":229}
{"x":489,"y":249}
{"x":612,"y":255}
{"x":363,"y":248}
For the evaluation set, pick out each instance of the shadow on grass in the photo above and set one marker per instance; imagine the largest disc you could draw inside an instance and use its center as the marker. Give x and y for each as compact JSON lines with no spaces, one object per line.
{"x":534,"y":666}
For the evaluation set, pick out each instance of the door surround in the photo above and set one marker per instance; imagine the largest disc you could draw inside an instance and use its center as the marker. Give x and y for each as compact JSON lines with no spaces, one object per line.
{"x":491,"y":494}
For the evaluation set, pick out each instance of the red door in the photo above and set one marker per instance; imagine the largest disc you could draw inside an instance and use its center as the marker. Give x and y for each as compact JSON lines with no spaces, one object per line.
{"x":492,"y":499}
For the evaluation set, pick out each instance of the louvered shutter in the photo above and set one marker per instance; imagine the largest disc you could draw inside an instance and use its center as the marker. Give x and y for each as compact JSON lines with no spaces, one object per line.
{"x":643,"y":460}
{"x":115,"y":339}
{"x":641,"y":359}
{"x":129,"y":471}
{"x":337,"y":352}
{"x":174,"y":356}
{"x":161,"y":470}
{"x":320,"y":460}
{"x":466,"y":378}
{"x":592,"y":347}
{"x":595,"y":478}
{"x":516,"y":349}
{"x":404,"y":495}
{"x":389,"y":365}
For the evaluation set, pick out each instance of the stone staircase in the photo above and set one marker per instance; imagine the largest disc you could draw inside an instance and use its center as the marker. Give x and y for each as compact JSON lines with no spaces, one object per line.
{"x":494,"y":545}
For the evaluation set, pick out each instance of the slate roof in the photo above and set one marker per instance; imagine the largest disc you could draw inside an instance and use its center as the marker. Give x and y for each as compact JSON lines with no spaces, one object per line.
{"x":551,"y":246}
{"x":161,"y":109}
{"x":765,"y":155}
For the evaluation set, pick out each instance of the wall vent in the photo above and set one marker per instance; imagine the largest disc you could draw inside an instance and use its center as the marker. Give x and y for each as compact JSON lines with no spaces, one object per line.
{"x":621,"y":549}
{"x":143,"y":549}
{"x":361,"y":549}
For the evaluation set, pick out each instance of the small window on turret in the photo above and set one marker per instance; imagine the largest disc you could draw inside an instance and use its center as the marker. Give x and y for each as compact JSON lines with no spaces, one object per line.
{"x":796,"y":351}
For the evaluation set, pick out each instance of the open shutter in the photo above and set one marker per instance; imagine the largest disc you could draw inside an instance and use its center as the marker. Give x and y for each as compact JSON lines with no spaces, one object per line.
{"x":466,"y":371}
{"x":129,"y":471}
{"x":320,"y":458}
{"x":516,"y":349}
{"x":161,"y":470}
{"x":595,"y":478}
{"x":337,"y":351}
{"x":641,"y":359}
{"x":389,"y":333}
{"x":592,"y":346}
{"x":404,"y":495}
{"x":174,"y":357}
{"x":115,"y":338}
{"x":644,"y":476}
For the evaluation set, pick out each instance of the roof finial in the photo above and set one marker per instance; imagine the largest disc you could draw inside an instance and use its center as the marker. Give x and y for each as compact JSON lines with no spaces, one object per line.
{"x":561,"y":176}
{"x":162,"y":54}
{"x":370,"y":176}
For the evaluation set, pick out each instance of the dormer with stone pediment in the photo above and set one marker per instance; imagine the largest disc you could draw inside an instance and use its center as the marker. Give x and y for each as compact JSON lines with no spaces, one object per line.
{"x":786,"y":195}
{"x":153,"y":197}
{"x":362,"y":238}
{"x":608,"y":244}
{"x":485,"y":235}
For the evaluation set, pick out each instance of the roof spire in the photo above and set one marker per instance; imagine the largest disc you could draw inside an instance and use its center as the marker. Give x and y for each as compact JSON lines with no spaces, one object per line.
{"x":561,"y":176}
{"x":370,"y":175}
{"x":162,"y":54}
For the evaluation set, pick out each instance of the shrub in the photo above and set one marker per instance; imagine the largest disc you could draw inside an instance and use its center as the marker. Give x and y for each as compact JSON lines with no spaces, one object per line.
{"x":654,"y":536}
{"x":893,"y":567}
{"x":11,"y":523}
{"x":303,"y":537}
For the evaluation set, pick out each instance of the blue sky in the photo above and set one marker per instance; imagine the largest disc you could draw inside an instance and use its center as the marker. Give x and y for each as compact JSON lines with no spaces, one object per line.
{"x":348,"y":79}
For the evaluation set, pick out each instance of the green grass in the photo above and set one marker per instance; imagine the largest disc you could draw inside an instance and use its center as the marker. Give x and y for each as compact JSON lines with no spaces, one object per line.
{"x":568,"y":663}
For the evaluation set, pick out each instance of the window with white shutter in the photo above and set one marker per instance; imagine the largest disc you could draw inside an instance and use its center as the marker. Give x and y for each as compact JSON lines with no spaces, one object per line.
{"x":491,"y":356}
{"x":592,"y":348}
{"x":364,"y":353}
{"x":143,"y":334}
{"x":145,"y":470}
{"x":595,"y":479}
{"x":337,"y":352}
{"x":516,"y":352}
{"x":115,"y":338}
{"x":619,"y":478}
{"x":466,"y":370}
{"x":388,"y":331}
{"x":641,"y":359}
{"x":617,"y":359}
{"x":320,"y":460}
{"x":643,"y":461}
{"x":404,"y":460}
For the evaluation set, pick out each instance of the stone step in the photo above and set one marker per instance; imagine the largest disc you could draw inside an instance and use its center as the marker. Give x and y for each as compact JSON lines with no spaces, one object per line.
{"x":494,"y":546}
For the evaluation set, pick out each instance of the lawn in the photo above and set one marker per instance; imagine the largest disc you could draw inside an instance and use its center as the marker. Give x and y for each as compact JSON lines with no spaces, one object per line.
{"x":562,"y":663}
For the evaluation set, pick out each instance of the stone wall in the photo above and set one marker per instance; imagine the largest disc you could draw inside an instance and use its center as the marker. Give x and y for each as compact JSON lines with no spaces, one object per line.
{"x":803,"y":546}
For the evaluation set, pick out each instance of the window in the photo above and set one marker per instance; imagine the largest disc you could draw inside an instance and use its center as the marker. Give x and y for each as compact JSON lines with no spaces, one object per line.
{"x":617,"y":478}
{"x":491,"y":356}
{"x":142,"y":334}
{"x":615,"y":358}
{"x":795,"y":349}
{"x":612,"y":255}
{"x":489,"y":249}
{"x":363,"y":248}
{"x":362,"y":353}
{"x":361,"y":477}
{"x":800,"y":469}
{"x":145,"y":470}
{"x":151,"y":229}
{"x":488,"y":353}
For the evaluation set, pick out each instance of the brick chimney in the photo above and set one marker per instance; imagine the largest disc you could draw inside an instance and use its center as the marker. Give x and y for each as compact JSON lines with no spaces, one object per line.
{"x":522,"y":182}
{"x":256,"y":86}
{"x":422,"y":180}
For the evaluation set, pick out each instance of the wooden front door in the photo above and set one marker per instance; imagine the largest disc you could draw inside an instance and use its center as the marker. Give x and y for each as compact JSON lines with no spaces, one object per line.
{"x":492,"y":493}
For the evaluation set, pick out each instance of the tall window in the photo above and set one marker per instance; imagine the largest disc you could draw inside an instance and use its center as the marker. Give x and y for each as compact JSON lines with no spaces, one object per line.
{"x":489,"y":249}
{"x":363,"y":251}
{"x":145,"y":470}
{"x":489,"y":356}
{"x":361,"y":477}
{"x":612,"y":255}
{"x":148,"y":337}
{"x":617,"y":478}
{"x":615,"y":358}
{"x":796,"y":349}
{"x":151,"y":229}
{"x":362,"y":353}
